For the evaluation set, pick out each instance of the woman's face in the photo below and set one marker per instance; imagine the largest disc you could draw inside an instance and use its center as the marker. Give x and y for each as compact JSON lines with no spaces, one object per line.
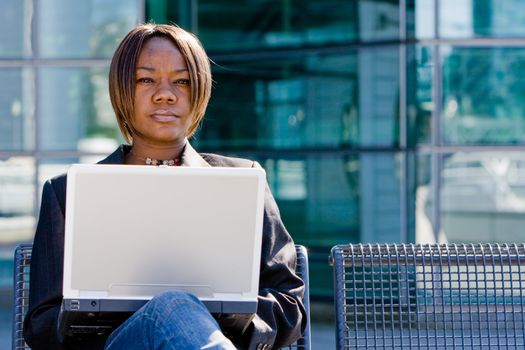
{"x":162,"y":94}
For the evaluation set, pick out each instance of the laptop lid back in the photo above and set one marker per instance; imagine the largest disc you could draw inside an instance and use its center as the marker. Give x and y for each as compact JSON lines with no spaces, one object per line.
{"x":135,"y":231}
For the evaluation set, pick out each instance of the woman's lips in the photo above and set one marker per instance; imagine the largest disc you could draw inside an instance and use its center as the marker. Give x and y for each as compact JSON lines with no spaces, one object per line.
{"x":164,"y":117}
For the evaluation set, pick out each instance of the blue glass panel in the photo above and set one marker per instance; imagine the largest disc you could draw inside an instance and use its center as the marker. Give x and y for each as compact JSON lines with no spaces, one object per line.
{"x":76,"y":114}
{"x":482,"y":18}
{"x":483,"y":91}
{"x":232,"y":25}
{"x":83,"y":29}
{"x":316,"y":100}
{"x":16,"y":109}
{"x":483,"y":197}
{"x":420,"y":17}
{"x":17,"y":200}
{"x":15,"y":29}
{"x":420,"y":87}
{"x":421,"y":202}
{"x":248,"y":24}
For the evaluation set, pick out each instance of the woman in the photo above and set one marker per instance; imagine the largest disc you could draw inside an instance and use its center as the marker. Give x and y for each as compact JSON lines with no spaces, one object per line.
{"x":160,"y":85}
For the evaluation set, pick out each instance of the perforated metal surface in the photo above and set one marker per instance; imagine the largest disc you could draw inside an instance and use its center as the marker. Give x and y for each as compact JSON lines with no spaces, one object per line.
{"x":22,"y":262}
{"x":302,"y":271}
{"x":430,"y":296}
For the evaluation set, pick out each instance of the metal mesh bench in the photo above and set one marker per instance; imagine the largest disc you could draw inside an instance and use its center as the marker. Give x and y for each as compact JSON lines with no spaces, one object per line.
{"x":405,"y":296}
{"x":302,"y":271}
{"x":22,"y":264}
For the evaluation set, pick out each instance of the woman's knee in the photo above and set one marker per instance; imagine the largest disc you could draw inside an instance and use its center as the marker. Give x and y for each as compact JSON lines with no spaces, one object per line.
{"x":175,"y":295}
{"x":169,"y":301}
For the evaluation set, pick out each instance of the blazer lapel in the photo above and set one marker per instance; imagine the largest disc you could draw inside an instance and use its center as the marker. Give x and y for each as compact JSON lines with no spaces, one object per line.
{"x":190,"y":157}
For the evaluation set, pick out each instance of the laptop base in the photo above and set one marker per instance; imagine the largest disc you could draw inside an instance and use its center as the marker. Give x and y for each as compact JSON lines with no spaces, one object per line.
{"x":103,"y":316}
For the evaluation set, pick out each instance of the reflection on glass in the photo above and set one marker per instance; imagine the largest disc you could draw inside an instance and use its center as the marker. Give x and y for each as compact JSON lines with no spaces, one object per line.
{"x":6,"y":271}
{"x":288,"y":178}
{"x":17,"y":198}
{"x":317,"y":198}
{"x":83,"y":29}
{"x":378,"y":91}
{"x":423,"y":200}
{"x":456,"y":19}
{"x":483,"y":197}
{"x":16,"y":109}
{"x":76,"y":114}
{"x":334,"y":100}
{"x":419,"y":94}
{"x":379,"y":192}
{"x":15,"y":29}
{"x":483,"y":91}
{"x":174,"y":11}
{"x":420,"y":19}
{"x":247,"y":24}
{"x":487,"y":18}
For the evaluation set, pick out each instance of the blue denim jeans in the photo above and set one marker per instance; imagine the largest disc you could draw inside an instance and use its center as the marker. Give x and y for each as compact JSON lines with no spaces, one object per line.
{"x":171,"y":320}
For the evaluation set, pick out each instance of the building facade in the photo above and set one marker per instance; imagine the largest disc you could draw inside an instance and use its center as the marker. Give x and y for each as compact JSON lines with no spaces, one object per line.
{"x":376,"y":120}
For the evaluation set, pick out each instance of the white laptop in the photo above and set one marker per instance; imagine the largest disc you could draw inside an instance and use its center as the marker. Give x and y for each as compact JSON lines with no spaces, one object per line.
{"x":133,"y":232}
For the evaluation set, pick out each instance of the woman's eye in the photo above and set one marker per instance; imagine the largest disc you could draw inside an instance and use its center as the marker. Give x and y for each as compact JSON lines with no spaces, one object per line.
{"x":145,"y":80}
{"x":182,"y":81}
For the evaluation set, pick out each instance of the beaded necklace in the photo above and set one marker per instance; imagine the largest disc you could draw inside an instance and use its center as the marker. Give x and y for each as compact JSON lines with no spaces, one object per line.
{"x":151,"y":161}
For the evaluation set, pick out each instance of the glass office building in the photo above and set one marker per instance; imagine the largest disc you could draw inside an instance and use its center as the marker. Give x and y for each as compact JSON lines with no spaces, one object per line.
{"x":376,"y":120}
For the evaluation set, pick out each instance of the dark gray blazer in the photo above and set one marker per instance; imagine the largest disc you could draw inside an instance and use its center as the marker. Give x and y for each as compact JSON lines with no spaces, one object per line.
{"x":280,"y":316}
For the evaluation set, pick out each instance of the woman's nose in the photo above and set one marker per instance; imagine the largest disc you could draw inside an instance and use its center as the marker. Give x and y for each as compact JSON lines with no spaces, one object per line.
{"x":164,"y":94}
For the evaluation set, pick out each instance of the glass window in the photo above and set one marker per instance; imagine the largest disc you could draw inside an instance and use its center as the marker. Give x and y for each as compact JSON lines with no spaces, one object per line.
{"x":245,"y":24}
{"x":17,"y":198}
{"x":421,"y":199}
{"x":15,"y":29}
{"x":420,"y":105}
{"x":420,"y":18}
{"x":483,"y":197}
{"x":483,"y":91}
{"x":230,"y":25}
{"x":83,"y":29}
{"x":318,"y":100}
{"x":482,"y":18}
{"x":169,"y":11}
{"x":76,"y":114}
{"x":378,"y":91}
{"x":318,"y":197}
{"x":16,"y":109}
{"x":6,"y":283}
{"x":379,"y":197}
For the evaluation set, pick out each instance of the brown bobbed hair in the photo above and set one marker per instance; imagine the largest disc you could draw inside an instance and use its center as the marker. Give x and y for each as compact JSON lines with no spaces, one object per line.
{"x":123,"y":69}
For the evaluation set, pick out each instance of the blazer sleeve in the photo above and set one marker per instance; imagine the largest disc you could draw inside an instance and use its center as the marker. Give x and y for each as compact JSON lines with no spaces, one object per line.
{"x":280,"y":317}
{"x":40,"y":324}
